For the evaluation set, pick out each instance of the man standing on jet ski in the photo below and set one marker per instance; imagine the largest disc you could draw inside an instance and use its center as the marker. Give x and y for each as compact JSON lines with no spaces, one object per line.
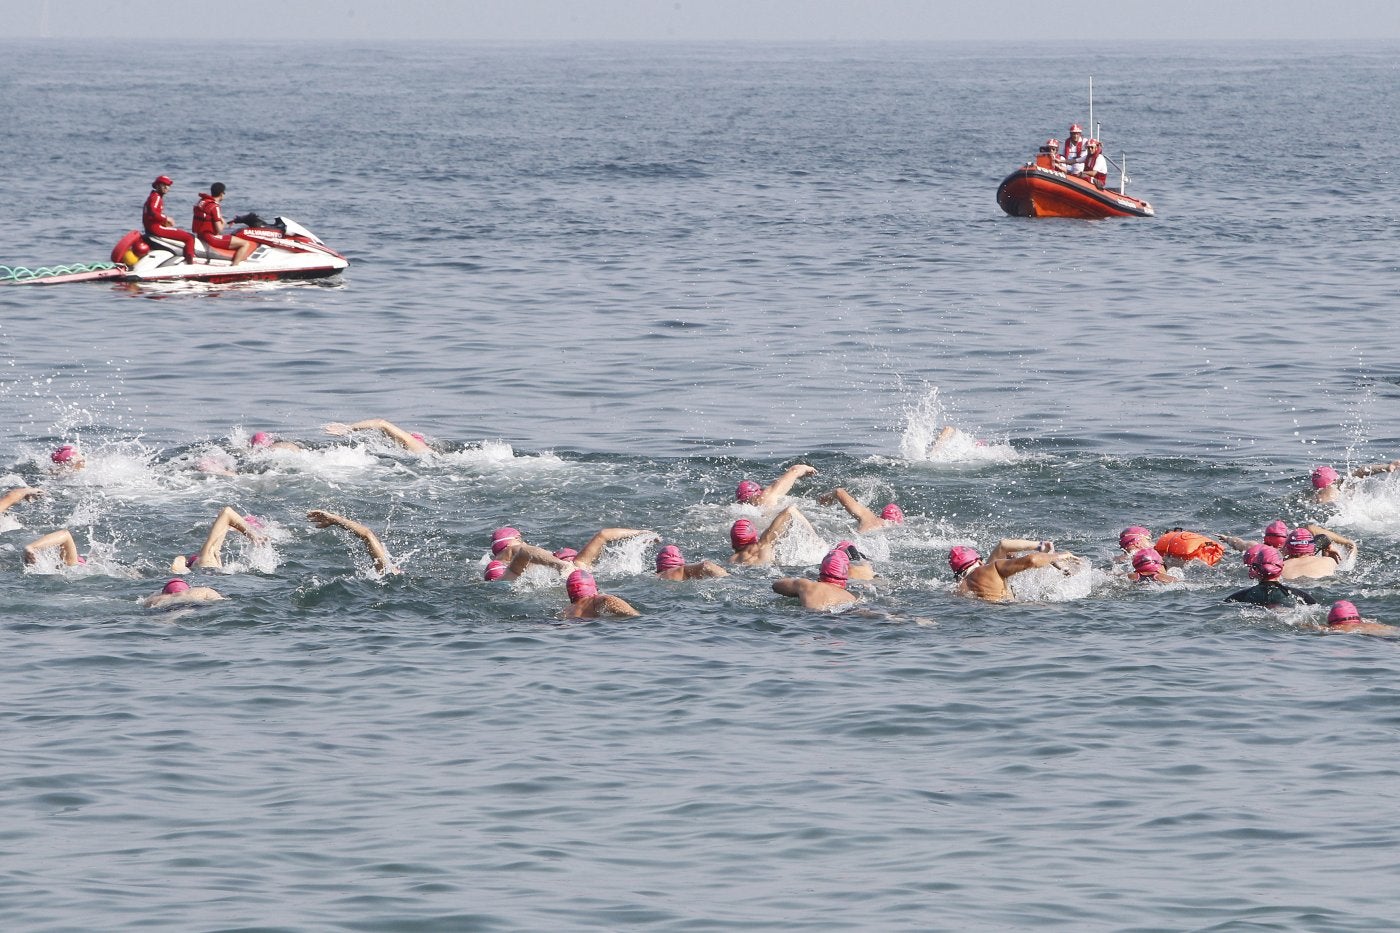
{"x":154,"y":219}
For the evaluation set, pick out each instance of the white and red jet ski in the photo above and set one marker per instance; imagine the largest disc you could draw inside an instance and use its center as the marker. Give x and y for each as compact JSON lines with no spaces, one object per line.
{"x":286,"y":250}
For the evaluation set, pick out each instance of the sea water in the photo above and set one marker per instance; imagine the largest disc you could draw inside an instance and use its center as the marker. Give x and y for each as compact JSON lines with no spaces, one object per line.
{"x":607,"y":282}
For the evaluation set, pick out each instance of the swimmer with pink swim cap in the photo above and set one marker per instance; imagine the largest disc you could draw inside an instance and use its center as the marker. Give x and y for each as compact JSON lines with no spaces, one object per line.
{"x":1345,"y":617}
{"x":758,"y":550}
{"x":585,"y":602}
{"x":179,"y":593}
{"x":828,"y":590}
{"x":866,"y":519}
{"x":211,"y":554}
{"x":671,"y":565}
{"x":1148,"y":567}
{"x":1275,"y":536}
{"x":1327,"y":482}
{"x":263,"y":440}
{"x":566,"y":553}
{"x":988,"y":579}
{"x":495,"y":570}
{"x":1313,"y":552}
{"x":1269,"y":593}
{"x":509,"y":546}
{"x":750,"y":493}
{"x":411,"y":441}
{"x":1134,"y":538}
{"x":67,"y":458}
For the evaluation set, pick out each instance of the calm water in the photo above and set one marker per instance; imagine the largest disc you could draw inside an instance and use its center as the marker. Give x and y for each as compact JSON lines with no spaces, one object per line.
{"x":608,"y":282}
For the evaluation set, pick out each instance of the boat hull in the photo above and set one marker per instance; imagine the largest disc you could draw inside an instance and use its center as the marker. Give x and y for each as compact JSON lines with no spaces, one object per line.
{"x":1033,"y":191}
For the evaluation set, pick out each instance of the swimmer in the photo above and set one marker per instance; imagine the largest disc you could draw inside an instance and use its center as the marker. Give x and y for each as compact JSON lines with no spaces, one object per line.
{"x":509,"y":549}
{"x":61,"y":539}
{"x":988,"y":579}
{"x":866,"y":520}
{"x":585,"y":602}
{"x":264,"y":441}
{"x":671,"y":565}
{"x":17,"y":495}
{"x":1312,"y":552}
{"x":750,"y":493}
{"x":1131,"y":540}
{"x":178,"y":593}
{"x":66,"y":459}
{"x":1327,"y":482}
{"x":758,"y":550}
{"x":1148,"y":568}
{"x":827,"y":591}
{"x":1345,"y":617}
{"x":1275,"y":535}
{"x":860,"y":568}
{"x":408,"y":440}
{"x":376,"y":550}
{"x":1268,"y":592}
{"x":211,"y":555}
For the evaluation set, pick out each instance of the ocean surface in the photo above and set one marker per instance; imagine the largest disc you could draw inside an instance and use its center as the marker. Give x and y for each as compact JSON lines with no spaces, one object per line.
{"x":607,"y":282}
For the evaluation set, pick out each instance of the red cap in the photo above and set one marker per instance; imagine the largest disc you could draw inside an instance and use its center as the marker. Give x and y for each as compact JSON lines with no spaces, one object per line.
{"x":162,"y":180}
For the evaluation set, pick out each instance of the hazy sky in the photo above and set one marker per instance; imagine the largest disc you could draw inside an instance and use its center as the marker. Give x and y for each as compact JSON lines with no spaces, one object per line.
{"x":762,"y":20}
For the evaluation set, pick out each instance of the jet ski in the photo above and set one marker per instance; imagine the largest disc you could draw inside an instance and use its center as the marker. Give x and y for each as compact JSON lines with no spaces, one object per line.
{"x":285,"y":250}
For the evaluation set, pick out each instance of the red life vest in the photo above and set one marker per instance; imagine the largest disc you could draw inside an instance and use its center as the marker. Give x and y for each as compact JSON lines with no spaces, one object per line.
{"x":206,"y":216}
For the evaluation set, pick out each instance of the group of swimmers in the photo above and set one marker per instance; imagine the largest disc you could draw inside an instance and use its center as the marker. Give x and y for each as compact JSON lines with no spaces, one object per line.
{"x":1305,"y":552}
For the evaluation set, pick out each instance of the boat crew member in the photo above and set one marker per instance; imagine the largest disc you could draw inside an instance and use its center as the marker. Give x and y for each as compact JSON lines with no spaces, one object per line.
{"x":1095,"y":163}
{"x":209,"y":225}
{"x":157,"y":223}
{"x":1076,"y":150}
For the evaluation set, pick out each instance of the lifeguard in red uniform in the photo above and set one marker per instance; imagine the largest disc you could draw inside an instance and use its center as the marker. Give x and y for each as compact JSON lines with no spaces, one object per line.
{"x":154,"y":219}
{"x":209,"y":225}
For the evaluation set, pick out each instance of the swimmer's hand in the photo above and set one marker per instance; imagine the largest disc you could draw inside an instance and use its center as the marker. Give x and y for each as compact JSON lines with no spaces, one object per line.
{"x":806,"y":469}
{"x":1069,"y":564}
{"x":322,"y":519}
{"x":337,"y":428}
{"x":1046,"y":547}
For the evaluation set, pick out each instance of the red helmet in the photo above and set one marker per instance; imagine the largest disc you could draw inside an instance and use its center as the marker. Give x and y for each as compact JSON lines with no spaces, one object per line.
{"x":1076,"y":128}
{"x":162,"y":180}
{"x":1052,"y":143}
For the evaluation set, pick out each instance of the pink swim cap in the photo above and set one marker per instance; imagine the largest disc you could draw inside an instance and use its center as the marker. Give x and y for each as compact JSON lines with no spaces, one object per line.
{"x":566,"y":553}
{"x":1267,"y":565}
{"x":494,"y":570}
{"x":1300,"y":543}
{"x":580,"y":584}
{"x":1276,"y":534}
{"x":1252,"y":552}
{"x":1324,"y":476}
{"x":748,"y":491}
{"x":418,"y":437}
{"x":1131,"y":534}
{"x":260,"y":439}
{"x":962,"y":557}
{"x":836,"y":568}
{"x":175,"y":586}
{"x":64,"y":454}
{"x":742,"y":533}
{"x":669,"y":558}
{"x":893,"y":513}
{"x":1146,"y":561}
{"x":502,"y":538}
{"x":1343,"y":611}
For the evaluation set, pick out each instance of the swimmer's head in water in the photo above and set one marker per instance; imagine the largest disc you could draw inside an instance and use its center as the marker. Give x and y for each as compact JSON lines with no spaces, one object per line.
{"x":1267,"y":564}
{"x":1300,"y":543}
{"x":851,"y":550}
{"x":962,"y":558}
{"x":1146,"y":562}
{"x":1276,"y":535}
{"x":566,"y":553}
{"x":1134,"y":537}
{"x":748,"y":491}
{"x":1252,"y":552}
{"x":494,"y":570}
{"x":1342,"y":612}
{"x":65,"y":454}
{"x":836,"y":568}
{"x":260,"y":439}
{"x":893,"y":513}
{"x":175,"y":586}
{"x":418,"y":437}
{"x":1324,"y":476}
{"x":669,"y":558}
{"x":742,"y":533}
{"x":503,"y":538}
{"x":581,"y":585}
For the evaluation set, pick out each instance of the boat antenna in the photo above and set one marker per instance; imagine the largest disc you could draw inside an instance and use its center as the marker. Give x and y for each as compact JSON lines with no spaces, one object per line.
{"x":1091,"y":104}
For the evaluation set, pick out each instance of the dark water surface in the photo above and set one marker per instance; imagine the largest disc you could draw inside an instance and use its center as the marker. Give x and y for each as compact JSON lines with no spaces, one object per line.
{"x":609,"y":281}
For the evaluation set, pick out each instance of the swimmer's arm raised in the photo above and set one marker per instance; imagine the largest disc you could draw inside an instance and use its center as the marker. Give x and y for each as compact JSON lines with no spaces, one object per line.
{"x":779,"y":524}
{"x":390,"y":430}
{"x":523,"y":555}
{"x":1009,"y":546}
{"x":62,"y":539}
{"x":780,"y":486}
{"x":382,"y":563}
{"x":594,"y":548}
{"x":17,"y":495}
{"x":865,"y":518}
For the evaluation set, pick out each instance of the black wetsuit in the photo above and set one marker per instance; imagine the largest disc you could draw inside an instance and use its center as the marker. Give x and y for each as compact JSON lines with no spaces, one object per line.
{"x":1271,"y":594}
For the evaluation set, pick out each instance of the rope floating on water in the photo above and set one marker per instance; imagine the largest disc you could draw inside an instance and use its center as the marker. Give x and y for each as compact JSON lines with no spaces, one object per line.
{"x":21,"y":274}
